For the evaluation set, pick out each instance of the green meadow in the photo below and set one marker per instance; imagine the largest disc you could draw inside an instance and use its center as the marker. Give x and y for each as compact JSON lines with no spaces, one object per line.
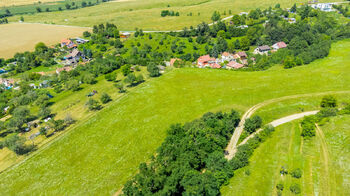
{"x":99,"y":154}
{"x":322,"y":173}
{"x":131,"y":14}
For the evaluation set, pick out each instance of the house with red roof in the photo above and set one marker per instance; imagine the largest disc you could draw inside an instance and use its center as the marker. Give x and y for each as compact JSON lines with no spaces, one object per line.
{"x":234,"y":65}
{"x":226,"y":56}
{"x":215,"y":66}
{"x":279,"y":45}
{"x":205,"y":61}
{"x":173,"y":60}
{"x":69,"y":43}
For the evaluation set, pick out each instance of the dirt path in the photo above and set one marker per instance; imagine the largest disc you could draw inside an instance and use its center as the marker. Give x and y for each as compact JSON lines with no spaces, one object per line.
{"x":231,"y":148}
{"x":280,"y":121}
{"x":325,"y":155}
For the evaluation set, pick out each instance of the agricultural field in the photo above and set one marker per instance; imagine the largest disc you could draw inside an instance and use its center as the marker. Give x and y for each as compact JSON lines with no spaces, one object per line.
{"x":131,"y":14}
{"x":98,"y":155}
{"x":23,"y":37}
{"x":322,"y":159}
{"x":7,"y":3}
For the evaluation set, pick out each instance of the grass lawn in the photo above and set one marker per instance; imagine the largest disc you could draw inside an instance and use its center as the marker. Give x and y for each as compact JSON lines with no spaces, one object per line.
{"x":100,"y":154}
{"x":287,"y":148}
{"x":129,"y":14}
{"x":23,"y":37}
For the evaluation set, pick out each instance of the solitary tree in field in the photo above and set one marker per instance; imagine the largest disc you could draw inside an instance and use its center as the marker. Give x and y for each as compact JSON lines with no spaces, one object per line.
{"x":38,"y":9}
{"x":216,"y":16}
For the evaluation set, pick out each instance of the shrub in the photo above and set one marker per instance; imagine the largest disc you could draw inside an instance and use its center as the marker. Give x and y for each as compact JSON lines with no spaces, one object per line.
{"x":247,"y":172}
{"x":296,"y":173}
{"x":111,"y":77}
{"x":283,"y":170}
{"x":93,"y":104}
{"x":105,"y":98}
{"x":280,"y":186}
{"x":328,"y":101}
{"x":327,"y":112}
{"x":295,"y":188}
{"x":308,"y":127}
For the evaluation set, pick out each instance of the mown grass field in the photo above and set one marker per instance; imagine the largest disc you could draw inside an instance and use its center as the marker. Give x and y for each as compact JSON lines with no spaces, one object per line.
{"x":100,"y":154}
{"x":129,"y":14}
{"x":7,"y":3}
{"x":23,"y":37}
{"x":323,"y":174}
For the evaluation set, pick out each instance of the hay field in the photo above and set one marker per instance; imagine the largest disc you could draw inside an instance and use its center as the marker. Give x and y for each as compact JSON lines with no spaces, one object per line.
{"x":23,"y":37}
{"x":6,"y":3}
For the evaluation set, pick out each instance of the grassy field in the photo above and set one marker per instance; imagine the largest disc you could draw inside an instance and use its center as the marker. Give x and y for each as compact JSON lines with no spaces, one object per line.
{"x":23,"y":37}
{"x":98,"y":155}
{"x":323,"y":173}
{"x":7,"y":3}
{"x":68,"y":103}
{"x":129,"y":14}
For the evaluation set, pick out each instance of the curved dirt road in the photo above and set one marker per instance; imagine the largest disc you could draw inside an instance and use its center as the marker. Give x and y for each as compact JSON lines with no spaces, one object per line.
{"x":231,"y":147}
{"x":279,"y":122}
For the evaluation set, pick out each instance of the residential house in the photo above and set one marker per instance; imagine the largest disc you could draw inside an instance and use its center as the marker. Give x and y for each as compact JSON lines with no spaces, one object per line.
{"x":125,"y":35}
{"x":67,"y":69}
{"x":279,"y":45}
{"x":205,"y":61}
{"x":173,"y":60}
{"x":242,"y":26}
{"x":81,"y":40}
{"x":241,"y":56}
{"x":215,"y":66}
{"x":68,"y":43}
{"x":325,"y":7}
{"x":226,"y":56}
{"x":262,"y":50}
{"x":73,"y":57}
{"x":234,"y":65}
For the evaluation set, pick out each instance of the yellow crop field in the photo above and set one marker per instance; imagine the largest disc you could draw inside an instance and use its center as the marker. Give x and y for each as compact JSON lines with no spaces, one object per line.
{"x":6,"y":3}
{"x":23,"y":37}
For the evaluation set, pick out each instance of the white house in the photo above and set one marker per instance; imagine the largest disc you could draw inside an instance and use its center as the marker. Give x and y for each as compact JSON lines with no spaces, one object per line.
{"x":262,"y":50}
{"x":279,"y":45}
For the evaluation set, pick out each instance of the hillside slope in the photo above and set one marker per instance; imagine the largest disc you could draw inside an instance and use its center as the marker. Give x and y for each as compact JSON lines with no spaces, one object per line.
{"x":100,"y":155}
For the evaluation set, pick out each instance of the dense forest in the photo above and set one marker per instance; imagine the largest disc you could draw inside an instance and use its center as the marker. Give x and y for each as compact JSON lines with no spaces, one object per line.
{"x":191,"y":159}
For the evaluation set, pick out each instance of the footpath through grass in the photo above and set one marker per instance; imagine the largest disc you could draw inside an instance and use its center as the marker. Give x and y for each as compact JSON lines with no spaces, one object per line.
{"x":287,"y":148}
{"x":100,"y":155}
